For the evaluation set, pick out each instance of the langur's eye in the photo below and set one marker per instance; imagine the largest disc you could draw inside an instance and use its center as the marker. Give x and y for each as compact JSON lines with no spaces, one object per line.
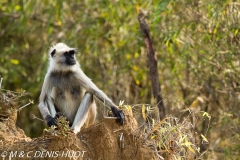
{"x":72,"y":52}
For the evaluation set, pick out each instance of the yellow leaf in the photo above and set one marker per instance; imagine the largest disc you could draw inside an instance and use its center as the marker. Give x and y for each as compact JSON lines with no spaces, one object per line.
{"x":188,"y":144}
{"x":136,"y":55}
{"x":236,"y":32}
{"x":59,"y":23}
{"x":130,"y":108}
{"x":158,"y":125}
{"x":17,"y":7}
{"x":135,"y":68}
{"x":137,"y":82}
{"x":153,"y":122}
{"x":224,"y":12}
{"x":215,"y":31}
{"x":183,"y":138}
{"x":167,"y":43}
{"x":194,"y":104}
{"x":204,"y":138}
{"x":143,"y":112}
{"x":206,"y":114}
{"x":211,"y":57}
{"x":137,"y":8}
{"x":152,"y":137}
{"x":14,"y":61}
{"x":190,"y":148}
{"x":128,"y":56}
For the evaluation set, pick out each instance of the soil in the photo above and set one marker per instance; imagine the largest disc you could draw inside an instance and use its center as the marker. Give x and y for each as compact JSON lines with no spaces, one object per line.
{"x":105,"y":140}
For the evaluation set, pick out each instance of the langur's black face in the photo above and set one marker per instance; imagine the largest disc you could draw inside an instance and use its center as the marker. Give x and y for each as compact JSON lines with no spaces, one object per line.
{"x":70,"y":57}
{"x":62,"y":56}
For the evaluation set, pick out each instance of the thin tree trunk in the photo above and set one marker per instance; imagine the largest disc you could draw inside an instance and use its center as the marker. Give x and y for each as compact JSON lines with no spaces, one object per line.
{"x":152,"y":64}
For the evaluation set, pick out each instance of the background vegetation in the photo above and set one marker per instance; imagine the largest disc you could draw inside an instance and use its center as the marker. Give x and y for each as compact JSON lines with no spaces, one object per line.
{"x":196,"y":42}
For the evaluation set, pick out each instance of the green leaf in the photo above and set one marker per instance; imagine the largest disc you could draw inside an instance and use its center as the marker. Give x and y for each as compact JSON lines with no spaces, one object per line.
{"x":162,"y":5}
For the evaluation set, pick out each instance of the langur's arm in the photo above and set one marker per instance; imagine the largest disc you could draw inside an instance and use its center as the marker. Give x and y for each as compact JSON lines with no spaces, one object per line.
{"x":92,"y":88}
{"x":46,"y":104}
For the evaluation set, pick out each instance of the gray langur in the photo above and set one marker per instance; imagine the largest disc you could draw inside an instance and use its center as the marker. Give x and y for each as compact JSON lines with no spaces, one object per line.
{"x":67,"y":90}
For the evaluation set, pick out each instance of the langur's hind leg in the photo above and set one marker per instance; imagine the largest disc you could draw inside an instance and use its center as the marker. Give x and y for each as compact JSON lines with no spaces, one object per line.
{"x":82,"y":113}
{"x":92,"y":113}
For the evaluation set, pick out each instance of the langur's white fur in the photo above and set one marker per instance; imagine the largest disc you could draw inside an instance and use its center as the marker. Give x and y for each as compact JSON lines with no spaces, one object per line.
{"x":64,"y":90}
{"x":53,"y":63}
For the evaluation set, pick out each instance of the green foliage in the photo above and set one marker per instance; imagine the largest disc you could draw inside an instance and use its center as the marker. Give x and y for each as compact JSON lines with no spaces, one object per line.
{"x":196,"y":43}
{"x":61,"y":130}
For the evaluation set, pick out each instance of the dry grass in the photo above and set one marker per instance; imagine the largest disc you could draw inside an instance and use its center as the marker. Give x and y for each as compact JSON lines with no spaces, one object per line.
{"x":169,"y":138}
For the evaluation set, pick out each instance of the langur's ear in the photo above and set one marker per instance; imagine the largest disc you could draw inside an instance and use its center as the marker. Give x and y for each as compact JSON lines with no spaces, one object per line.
{"x":53,"y":52}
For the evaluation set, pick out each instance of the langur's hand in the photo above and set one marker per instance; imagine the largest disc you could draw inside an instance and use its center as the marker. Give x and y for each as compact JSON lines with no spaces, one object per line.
{"x":119,"y":114}
{"x":50,"y":121}
{"x":58,"y":115}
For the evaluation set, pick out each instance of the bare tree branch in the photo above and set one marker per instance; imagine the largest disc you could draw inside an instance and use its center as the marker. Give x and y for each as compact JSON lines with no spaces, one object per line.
{"x":152,"y":64}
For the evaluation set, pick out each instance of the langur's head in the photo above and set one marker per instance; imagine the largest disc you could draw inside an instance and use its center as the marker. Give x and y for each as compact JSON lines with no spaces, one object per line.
{"x":62,"y":57}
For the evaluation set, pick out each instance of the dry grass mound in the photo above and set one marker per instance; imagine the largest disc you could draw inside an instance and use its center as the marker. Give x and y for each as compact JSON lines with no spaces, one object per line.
{"x":151,"y":140}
